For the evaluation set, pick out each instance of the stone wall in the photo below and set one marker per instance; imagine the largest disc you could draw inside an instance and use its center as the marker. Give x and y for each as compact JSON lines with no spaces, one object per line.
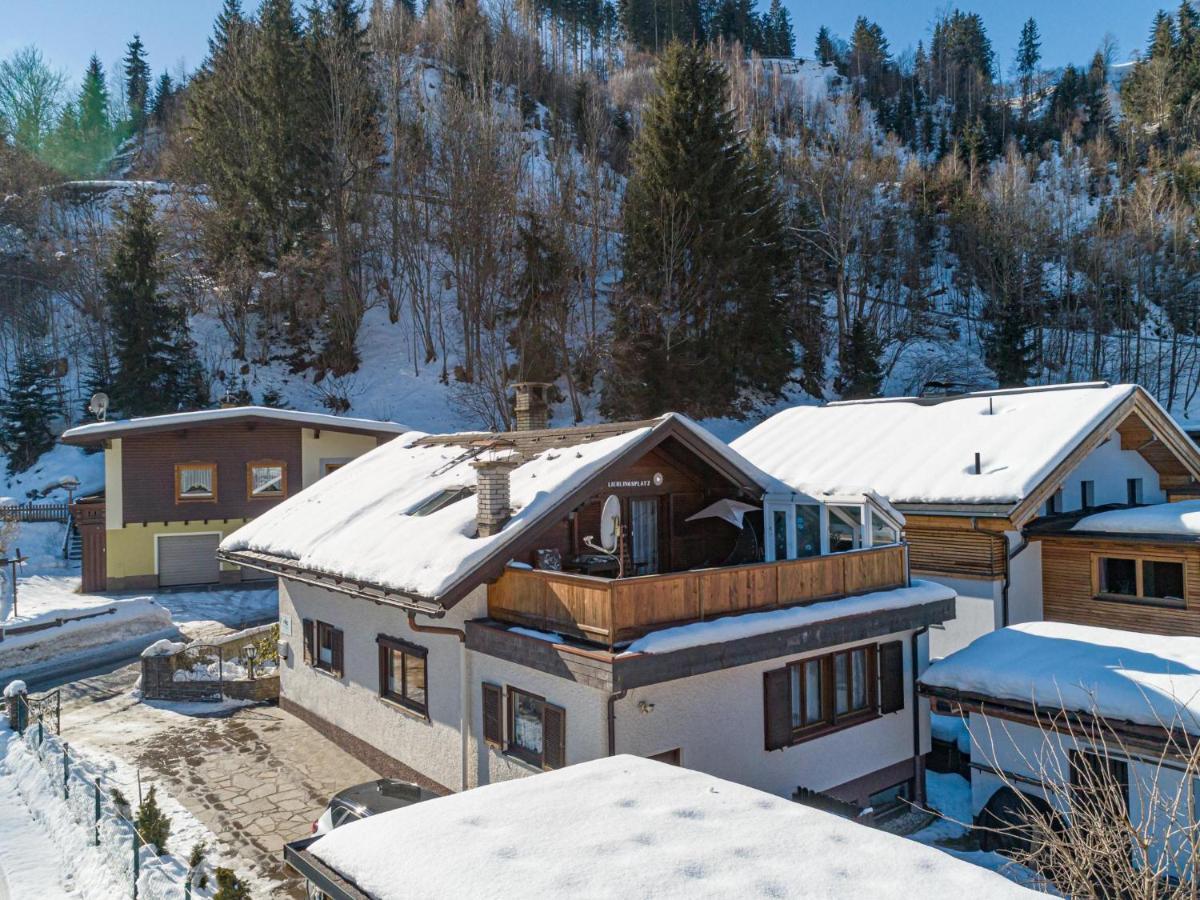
{"x":158,"y":672}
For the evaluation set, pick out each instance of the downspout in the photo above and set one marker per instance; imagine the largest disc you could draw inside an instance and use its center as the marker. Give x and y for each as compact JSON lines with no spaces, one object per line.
{"x":464,"y":723}
{"x":918,"y":767}
{"x":999,"y":536}
{"x":612,"y":720}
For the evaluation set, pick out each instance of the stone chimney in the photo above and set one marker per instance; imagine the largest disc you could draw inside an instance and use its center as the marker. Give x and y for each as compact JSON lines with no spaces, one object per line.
{"x":491,"y":492}
{"x":531,"y":405}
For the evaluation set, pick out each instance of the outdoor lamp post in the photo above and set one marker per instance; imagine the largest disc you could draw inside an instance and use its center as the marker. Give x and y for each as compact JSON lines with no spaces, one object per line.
{"x":251,"y":654}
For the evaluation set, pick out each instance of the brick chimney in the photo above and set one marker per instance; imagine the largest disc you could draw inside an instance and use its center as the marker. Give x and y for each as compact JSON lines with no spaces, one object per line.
{"x":531,"y":405}
{"x":492,"y":492}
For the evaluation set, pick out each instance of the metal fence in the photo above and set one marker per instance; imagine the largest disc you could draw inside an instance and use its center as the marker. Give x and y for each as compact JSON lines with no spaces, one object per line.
{"x":93,"y":806}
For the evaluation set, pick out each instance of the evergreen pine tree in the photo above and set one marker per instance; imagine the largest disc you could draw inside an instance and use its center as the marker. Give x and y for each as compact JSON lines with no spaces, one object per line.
{"x":137,"y":83}
{"x":1029,"y":54}
{"x":152,"y":823}
{"x":826,"y":52}
{"x":226,"y":28}
{"x":163,"y":101}
{"x":698,"y":324}
{"x":27,"y":409}
{"x":859,"y":373}
{"x":778,"y":37}
{"x":96,"y":135}
{"x":155,"y":364}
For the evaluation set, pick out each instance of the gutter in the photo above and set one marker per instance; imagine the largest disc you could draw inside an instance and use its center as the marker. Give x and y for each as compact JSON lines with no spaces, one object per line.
{"x":916,"y":716}
{"x":612,"y":719}
{"x":464,"y":701}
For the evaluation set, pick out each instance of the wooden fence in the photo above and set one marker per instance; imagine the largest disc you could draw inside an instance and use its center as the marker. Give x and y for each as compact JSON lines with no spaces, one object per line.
{"x":34,"y":512}
{"x":614,"y":610}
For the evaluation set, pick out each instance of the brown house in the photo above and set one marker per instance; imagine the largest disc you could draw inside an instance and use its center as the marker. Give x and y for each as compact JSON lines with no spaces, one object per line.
{"x":176,"y":484}
{"x":1133,"y":568}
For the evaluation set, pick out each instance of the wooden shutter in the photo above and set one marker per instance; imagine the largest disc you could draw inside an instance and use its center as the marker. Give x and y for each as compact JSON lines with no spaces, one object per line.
{"x":891,"y":677}
{"x":492,"y":715}
{"x":310,"y":641}
{"x":554,"y":736}
{"x":383,"y":650}
{"x":338,"y":651}
{"x":777,"y":708}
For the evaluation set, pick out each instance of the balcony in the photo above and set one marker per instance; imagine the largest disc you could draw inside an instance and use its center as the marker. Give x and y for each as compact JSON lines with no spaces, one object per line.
{"x":610,"y":611}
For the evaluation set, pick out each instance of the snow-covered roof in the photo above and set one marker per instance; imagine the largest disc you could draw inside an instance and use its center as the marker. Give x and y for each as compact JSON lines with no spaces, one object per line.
{"x":98,"y":431}
{"x":630,"y":827}
{"x":922,"y":451}
{"x":1180,"y":519}
{"x":356,"y":524}
{"x":1147,"y":679}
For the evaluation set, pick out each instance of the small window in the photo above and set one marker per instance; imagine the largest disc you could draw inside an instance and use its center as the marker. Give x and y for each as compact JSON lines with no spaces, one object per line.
{"x":536,"y":730}
{"x":881,"y":532}
{"x":808,"y":530}
{"x":1162,"y":580}
{"x":1087,"y":494}
{"x":330,"y":467}
{"x":1054,"y":505}
{"x":845,"y":528}
{"x":324,"y":647}
{"x":807,"y":696}
{"x":266,"y":480}
{"x":195,"y":481}
{"x":1156,"y":581}
{"x":1133,"y":490}
{"x":814,"y":707}
{"x":402,"y":674}
{"x":440,"y":500}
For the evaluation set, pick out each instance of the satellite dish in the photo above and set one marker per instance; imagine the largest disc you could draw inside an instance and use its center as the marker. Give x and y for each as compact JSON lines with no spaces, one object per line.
{"x":98,"y":406}
{"x":610,"y":523}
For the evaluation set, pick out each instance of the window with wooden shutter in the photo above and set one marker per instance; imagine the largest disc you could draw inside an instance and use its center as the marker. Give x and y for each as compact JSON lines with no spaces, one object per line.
{"x":777,"y":708}
{"x":493,"y":714}
{"x":310,"y":641}
{"x":891,"y":677}
{"x":339,"y":652}
{"x":554,"y":720}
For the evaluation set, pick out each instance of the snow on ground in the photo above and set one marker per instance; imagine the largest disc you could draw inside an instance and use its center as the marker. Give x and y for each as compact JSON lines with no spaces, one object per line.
{"x":48,"y":589}
{"x":79,"y":869}
{"x":951,"y":729}
{"x":630,"y":827}
{"x":732,"y":628}
{"x":1181,"y":518}
{"x":1149,"y":679}
{"x":30,"y":862}
{"x":949,"y":795}
{"x":54,"y":466}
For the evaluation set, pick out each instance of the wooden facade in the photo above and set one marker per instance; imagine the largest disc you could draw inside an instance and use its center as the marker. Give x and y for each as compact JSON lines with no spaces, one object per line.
{"x":958,"y":551}
{"x":88,"y":516}
{"x":609,"y":611}
{"x":149,"y":469}
{"x":1070,"y":592}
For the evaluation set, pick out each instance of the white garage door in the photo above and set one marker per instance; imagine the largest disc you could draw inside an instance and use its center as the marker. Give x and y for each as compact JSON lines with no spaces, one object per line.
{"x":188,"y":559}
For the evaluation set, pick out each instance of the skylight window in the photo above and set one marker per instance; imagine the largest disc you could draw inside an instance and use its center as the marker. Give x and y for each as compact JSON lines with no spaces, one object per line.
{"x":441,"y":500}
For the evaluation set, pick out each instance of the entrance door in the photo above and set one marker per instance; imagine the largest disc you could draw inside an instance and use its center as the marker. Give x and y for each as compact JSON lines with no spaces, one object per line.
{"x":643,"y":528}
{"x":188,"y":559}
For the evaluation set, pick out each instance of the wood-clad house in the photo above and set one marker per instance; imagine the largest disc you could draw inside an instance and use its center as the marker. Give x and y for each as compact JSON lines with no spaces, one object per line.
{"x":449,"y":616}
{"x":972,"y":472}
{"x":175,"y":485}
{"x":1134,"y":568}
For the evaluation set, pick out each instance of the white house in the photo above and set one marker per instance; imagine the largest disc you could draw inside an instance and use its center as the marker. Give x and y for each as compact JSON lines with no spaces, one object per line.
{"x":450,"y":618}
{"x":1054,"y":707}
{"x":626,"y":827}
{"x":971,"y":471}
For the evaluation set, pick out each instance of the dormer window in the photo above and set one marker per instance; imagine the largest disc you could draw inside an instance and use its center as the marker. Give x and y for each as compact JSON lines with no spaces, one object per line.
{"x":195,"y":481}
{"x":440,"y":500}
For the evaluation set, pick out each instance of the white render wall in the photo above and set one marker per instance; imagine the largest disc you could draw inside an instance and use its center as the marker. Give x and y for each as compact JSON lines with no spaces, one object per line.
{"x":1024,"y":750}
{"x":1109,"y":467}
{"x":352,"y":703}
{"x":715,"y":719}
{"x":977,"y":611}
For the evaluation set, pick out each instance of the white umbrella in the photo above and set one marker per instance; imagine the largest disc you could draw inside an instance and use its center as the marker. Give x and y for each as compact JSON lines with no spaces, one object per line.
{"x":732,"y":511}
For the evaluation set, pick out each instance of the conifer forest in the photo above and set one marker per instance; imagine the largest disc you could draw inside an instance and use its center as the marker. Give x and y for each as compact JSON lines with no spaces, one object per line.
{"x":651,"y":204}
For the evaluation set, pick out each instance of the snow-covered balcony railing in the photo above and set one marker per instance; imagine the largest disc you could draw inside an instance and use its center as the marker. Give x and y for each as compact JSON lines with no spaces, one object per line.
{"x":609,"y":611}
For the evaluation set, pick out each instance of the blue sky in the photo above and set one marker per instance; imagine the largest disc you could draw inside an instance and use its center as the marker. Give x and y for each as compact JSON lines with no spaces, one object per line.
{"x":175,"y":31}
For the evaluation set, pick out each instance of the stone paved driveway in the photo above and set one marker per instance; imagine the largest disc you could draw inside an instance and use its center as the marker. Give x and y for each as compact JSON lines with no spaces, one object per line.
{"x":256,"y":777}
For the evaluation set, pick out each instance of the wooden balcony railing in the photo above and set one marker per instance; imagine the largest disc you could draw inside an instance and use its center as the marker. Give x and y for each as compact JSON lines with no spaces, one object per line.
{"x":609,"y":611}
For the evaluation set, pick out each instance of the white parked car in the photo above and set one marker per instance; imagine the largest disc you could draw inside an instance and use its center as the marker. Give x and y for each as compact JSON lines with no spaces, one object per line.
{"x":367,"y":799}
